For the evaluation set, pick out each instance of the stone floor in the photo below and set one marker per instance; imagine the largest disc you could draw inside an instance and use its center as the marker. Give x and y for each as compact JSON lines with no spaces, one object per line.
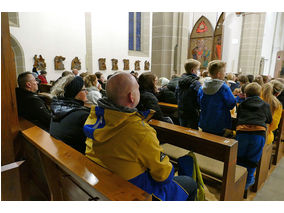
{"x":273,"y":188}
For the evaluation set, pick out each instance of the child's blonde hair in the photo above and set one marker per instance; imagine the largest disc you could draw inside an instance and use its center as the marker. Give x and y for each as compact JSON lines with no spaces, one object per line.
{"x":190,"y":64}
{"x":268,"y":97}
{"x":215,"y":66}
{"x":90,"y":80}
{"x":252,"y":89}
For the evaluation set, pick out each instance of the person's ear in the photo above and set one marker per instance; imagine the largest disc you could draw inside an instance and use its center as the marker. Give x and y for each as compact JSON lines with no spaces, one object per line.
{"x":28,"y":84}
{"x":130,"y":97}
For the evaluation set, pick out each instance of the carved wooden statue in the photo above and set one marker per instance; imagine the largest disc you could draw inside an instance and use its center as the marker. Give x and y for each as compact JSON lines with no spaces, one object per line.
{"x":39,"y":63}
{"x":114,"y":64}
{"x":146,"y":65}
{"x":58,"y":63}
{"x":102,"y":64}
{"x":137,"y":65}
{"x":76,"y":64}
{"x":125,"y":64}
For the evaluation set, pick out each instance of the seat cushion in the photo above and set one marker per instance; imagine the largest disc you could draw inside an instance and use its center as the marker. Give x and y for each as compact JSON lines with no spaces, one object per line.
{"x":207,"y":165}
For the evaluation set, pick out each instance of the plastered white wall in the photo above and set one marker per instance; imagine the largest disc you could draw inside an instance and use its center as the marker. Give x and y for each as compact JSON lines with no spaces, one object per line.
{"x":50,"y":35}
{"x":110,"y":40}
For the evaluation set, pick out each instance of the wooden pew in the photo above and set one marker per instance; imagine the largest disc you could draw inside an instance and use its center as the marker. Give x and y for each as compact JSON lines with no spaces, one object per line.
{"x":218,"y":150}
{"x":45,"y":88}
{"x":72,"y":176}
{"x":278,"y":141}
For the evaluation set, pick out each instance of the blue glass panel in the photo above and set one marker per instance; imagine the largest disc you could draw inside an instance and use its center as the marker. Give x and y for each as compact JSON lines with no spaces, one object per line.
{"x":138,"y":31}
{"x":131,"y":31}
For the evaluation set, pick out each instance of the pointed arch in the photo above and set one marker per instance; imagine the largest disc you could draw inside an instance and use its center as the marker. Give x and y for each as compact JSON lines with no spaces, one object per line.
{"x":218,"y":38}
{"x":18,"y":55}
{"x":201,"y":41}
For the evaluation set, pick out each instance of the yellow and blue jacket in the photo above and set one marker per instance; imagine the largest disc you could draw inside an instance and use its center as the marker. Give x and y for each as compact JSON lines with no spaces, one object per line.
{"x":121,"y":140}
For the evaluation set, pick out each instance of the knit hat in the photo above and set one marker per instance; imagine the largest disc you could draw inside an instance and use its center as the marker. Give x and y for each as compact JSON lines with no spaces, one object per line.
{"x":74,"y":87}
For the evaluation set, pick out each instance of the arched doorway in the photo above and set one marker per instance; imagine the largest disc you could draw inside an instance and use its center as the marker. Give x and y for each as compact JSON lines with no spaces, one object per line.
{"x":201,"y":41}
{"x":18,"y":54}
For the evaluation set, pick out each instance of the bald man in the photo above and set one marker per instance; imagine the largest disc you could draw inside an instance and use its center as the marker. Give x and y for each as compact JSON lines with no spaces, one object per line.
{"x":120,"y":139}
{"x":75,"y":72}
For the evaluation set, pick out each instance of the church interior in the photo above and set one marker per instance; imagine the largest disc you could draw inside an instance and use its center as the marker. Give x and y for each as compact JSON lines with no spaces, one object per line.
{"x":37,"y":167}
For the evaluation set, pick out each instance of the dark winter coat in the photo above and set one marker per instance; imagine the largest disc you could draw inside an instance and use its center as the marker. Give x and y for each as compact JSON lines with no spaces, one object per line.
{"x":149,"y":101}
{"x":254,"y":111}
{"x":167,"y":96}
{"x":69,"y":116}
{"x":187,"y":89}
{"x":33,"y":108}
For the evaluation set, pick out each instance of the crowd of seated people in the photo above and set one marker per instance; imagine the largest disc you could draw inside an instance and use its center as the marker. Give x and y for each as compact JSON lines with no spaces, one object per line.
{"x":111,"y":135}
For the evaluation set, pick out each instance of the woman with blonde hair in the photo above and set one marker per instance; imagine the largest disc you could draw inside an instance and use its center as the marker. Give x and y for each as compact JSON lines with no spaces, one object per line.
{"x":270,"y":91}
{"x":93,"y":92}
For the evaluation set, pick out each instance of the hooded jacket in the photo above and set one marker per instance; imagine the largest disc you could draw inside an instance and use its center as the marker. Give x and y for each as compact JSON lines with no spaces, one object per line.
{"x":216,"y":100}
{"x":254,"y":111}
{"x":68,"y":118}
{"x":93,"y":95}
{"x":33,"y":108}
{"x":121,"y":140}
{"x":187,"y":89}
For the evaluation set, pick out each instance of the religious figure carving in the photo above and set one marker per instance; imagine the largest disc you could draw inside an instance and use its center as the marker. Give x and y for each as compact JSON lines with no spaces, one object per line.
{"x":102,"y":64}
{"x":58,"y":63}
{"x":137,"y":65}
{"x":39,"y":63}
{"x":76,"y":64}
{"x":114,"y":64}
{"x":125,"y":64}
{"x":146,"y":65}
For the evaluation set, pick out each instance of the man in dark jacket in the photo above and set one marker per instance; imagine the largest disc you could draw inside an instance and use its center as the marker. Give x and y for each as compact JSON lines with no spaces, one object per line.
{"x":30,"y":105}
{"x":186,"y":92}
{"x":69,"y":114}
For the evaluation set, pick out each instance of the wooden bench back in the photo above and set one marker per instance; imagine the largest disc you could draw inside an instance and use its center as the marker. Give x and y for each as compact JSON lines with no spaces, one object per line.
{"x":210,"y":145}
{"x":94,"y":178}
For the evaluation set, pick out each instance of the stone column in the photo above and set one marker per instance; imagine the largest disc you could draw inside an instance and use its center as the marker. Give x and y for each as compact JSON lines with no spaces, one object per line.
{"x":89,"y":53}
{"x":169,"y":43}
{"x":251,"y":43}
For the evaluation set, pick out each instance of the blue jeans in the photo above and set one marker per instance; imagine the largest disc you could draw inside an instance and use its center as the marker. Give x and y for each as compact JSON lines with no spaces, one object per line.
{"x":249,"y":153}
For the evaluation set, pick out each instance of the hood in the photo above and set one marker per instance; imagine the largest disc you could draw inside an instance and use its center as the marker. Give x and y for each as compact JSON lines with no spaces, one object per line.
{"x":252,"y":103}
{"x":173,"y":83}
{"x":107,"y":120}
{"x":92,"y":88}
{"x":188,"y":80}
{"x":212,"y":86}
{"x":61,"y":107}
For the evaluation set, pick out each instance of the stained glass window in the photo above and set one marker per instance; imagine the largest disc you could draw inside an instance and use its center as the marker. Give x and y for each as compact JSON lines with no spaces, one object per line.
{"x":134,"y":40}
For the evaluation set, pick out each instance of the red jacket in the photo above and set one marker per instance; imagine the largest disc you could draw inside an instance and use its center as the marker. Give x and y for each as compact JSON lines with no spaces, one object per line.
{"x":42,"y":79}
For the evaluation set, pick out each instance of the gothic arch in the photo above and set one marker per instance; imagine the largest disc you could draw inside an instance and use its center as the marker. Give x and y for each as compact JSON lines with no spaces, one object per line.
{"x":218,"y":38}
{"x":201,"y":41}
{"x":18,"y":55}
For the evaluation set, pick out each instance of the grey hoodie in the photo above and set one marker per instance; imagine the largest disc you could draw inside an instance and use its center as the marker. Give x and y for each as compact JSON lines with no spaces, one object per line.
{"x":212,"y":86}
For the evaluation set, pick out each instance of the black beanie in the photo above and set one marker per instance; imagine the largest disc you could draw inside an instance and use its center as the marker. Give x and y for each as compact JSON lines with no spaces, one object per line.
{"x":74,"y":87}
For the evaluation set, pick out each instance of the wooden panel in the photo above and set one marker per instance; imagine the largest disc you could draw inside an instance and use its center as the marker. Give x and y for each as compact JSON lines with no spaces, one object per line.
{"x":9,"y":120}
{"x":278,"y":144}
{"x":10,"y":187}
{"x":263,"y":167}
{"x":90,"y":176}
{"x":45,"y":88}
{"x":212,"y":145}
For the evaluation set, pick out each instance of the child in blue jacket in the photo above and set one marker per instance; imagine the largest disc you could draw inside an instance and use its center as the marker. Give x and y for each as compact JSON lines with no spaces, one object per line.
{"x":216,"y":100}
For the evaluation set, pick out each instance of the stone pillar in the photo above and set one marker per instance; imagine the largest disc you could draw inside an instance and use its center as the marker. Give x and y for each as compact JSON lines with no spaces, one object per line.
{"x":89,"y":53}
{"x":169,"y":43}
{"x":251,"y":43}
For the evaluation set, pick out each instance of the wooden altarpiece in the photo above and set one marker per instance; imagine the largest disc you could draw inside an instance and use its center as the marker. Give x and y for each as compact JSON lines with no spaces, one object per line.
{"x":201,"y":41}
{"x":218,"y":39}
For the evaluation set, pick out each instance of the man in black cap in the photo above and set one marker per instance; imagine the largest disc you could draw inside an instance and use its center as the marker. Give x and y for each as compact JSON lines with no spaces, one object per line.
{"x":68,"y":112}
{"x":30,"y":105}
